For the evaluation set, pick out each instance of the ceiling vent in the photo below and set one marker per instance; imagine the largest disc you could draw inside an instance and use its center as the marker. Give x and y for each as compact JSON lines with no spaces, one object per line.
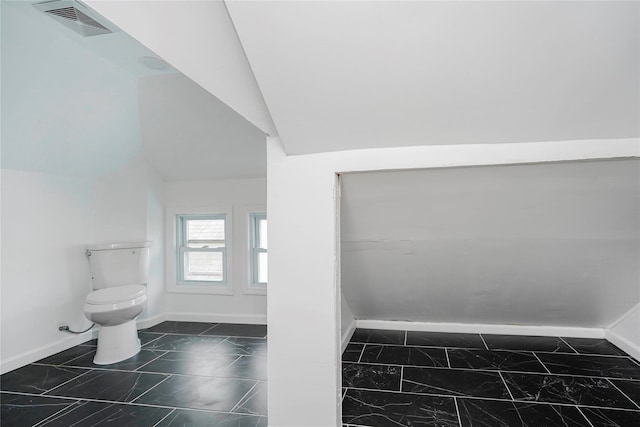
{"x":76,"y":16}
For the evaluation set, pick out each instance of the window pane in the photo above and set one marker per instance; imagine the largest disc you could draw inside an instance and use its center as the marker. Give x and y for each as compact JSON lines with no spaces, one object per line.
{"x":262,"y":267}
{"x":262,"y":229}
{"x":205,"y":233}
{"x":203,"y":266}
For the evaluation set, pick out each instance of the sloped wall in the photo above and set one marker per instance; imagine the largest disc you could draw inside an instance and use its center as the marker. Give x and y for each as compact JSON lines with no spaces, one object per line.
{"x":553,"y":244}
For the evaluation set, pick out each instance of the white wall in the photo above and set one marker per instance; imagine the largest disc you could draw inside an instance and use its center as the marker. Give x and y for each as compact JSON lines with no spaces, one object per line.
{"x":304,"y":324}
{"x":625,"y":331}
{"x":554,"y":244}
{"x":47,"y":220}
{"x":240,"y":195}
{"x":129,"y":207}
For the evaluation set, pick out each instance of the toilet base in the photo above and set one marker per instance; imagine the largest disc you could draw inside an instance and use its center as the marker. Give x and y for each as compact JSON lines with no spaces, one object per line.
{"x":117,"y":343}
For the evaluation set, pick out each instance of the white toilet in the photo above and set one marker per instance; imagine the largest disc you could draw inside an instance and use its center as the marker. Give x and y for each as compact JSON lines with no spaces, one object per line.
{"x":119,"y":275}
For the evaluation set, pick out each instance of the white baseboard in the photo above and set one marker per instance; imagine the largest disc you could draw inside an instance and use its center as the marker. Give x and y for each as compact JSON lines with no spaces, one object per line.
{"x":348,"y":333}
{"x":476,"y":328}
{"x":27,"y":357}
{"x":624,"y":344}
{"x":148,"y":322}
{"x":248,"y":319}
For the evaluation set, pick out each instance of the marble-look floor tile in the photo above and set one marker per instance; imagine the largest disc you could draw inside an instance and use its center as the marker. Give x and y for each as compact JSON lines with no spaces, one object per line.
{"x":352,"y":352}
{"x":67,"y":355}
{"x":248,"y":367}
{"x":242,"y":346}
{"x":596,"y":366}
{"x":185,"y":328}
{"x":378,"y":377}
{"x":19,"y":410}
{"x":495,"y":413}
{"x":611,"y":417}
{"x":114,"y":386}
{"x":238,"y":330}
{"x":453,"y":382}
{"x":382,"y":409}
{"x":215,"y":394}
{"x":100,"y":414}
{"x":400,"y":355}
{"x":255,"y":402}
{"x":375,"y":336}
{"x":38,"y":379}
{"x":130,"y":364}
{"x":566,"y":389}
{"x":501,"y":360}
{"x":144,"y":337}
{"x":444,"y":339}
{"x":175,"y":362}
{"x":630,"y":388}
{"x":185,"y":343}
{"x":192,"y":418}
{"x":594,"y":346}
{"x":531,"y":343}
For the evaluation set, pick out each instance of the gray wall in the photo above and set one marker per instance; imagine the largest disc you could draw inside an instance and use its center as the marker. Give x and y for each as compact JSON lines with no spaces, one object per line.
{"x":546,"y":244}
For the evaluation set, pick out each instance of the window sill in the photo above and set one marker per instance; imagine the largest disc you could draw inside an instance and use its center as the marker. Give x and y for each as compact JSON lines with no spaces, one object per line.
{"x":224,"y":289}
{"x":255,"y":290}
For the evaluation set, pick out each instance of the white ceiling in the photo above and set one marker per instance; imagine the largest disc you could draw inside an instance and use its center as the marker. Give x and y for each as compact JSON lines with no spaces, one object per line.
{"x":349,"y":75}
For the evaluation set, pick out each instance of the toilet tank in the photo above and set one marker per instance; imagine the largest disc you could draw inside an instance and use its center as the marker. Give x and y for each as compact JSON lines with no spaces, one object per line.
{"x":118,"y":264}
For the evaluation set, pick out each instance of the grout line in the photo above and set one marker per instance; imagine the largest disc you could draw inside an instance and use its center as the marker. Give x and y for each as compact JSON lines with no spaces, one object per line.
{"x":446,"y":353}
{"x":543,"y":365}
{"x":66,"y":410}
{"x":361,"y":353}
{"x":570,"y":346}
{"x":623,"y":393}
{"x":495,"y":399}
{"x":66,"y":382}
{"x":405,"y":337}
{"x":584,"y":416}
{"x":152,"y":360}
{"x":506,"y":386}
{"x":207,"y":330}
{"x":243,"y":397}
{"x":484,"y":342}
{"x":165,"y":417}
{"x":455,"y":400}
{"x":147,"y":391}
{"x":401,"y":377}
{"x":493,"y":371}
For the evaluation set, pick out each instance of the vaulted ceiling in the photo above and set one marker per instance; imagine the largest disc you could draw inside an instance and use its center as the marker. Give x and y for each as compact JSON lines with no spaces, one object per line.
{"x":361,"y":74}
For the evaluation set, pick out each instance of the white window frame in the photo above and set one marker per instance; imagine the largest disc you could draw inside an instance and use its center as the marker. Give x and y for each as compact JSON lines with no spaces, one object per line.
{"x":174,"y":253}
{"x":254,"y":250}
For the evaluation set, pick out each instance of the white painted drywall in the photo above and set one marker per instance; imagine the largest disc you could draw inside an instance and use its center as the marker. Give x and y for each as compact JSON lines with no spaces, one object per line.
{"x":65,"y":109}
{"x":554,"y":244}
{"x":129,"y":207}
{"x":241,"y":196}
{"x":197,"y":38}
{"x":46,"y":222}
{"x":340,"y":75}
{"x":189,"y":134}
{"x":625,"y":331}
{"x":347,"y":322}
{"x":302,"y":307}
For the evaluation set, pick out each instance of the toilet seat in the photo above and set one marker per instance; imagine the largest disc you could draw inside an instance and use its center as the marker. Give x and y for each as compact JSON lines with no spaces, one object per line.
{"x":116,"y":294}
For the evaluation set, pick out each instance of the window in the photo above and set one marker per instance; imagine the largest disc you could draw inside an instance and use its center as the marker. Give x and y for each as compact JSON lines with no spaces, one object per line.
{"x":202,"y":249}
{"x":258,"y":235}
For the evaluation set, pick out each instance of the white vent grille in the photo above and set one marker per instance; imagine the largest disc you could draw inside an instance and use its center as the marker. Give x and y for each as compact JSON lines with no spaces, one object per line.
{"x":67,"y":13}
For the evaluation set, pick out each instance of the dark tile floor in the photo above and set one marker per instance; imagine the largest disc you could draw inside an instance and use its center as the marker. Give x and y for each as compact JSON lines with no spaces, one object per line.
{"x":398,"y":378}
{"x":187,"y":374}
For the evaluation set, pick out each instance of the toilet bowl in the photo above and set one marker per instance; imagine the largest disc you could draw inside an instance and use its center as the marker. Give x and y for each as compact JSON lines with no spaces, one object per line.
{"x":114,"y":309}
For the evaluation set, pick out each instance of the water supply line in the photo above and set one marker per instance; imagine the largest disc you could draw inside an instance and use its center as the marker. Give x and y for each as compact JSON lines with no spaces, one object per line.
{"x":65,"y":328}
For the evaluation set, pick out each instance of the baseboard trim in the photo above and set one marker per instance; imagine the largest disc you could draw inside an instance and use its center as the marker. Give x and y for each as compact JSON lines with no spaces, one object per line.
{"x":346,"y":337}
{"x":27,"y":357}
{"x":475,"y":328}
{"x":149,"y":322}
{"x":624,"y":344}
{"x":249,"y":319}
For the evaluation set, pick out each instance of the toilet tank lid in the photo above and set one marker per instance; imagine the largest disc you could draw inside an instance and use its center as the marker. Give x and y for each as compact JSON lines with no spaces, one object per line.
{"x":116,"y":294}
{"x":118,"y":245}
